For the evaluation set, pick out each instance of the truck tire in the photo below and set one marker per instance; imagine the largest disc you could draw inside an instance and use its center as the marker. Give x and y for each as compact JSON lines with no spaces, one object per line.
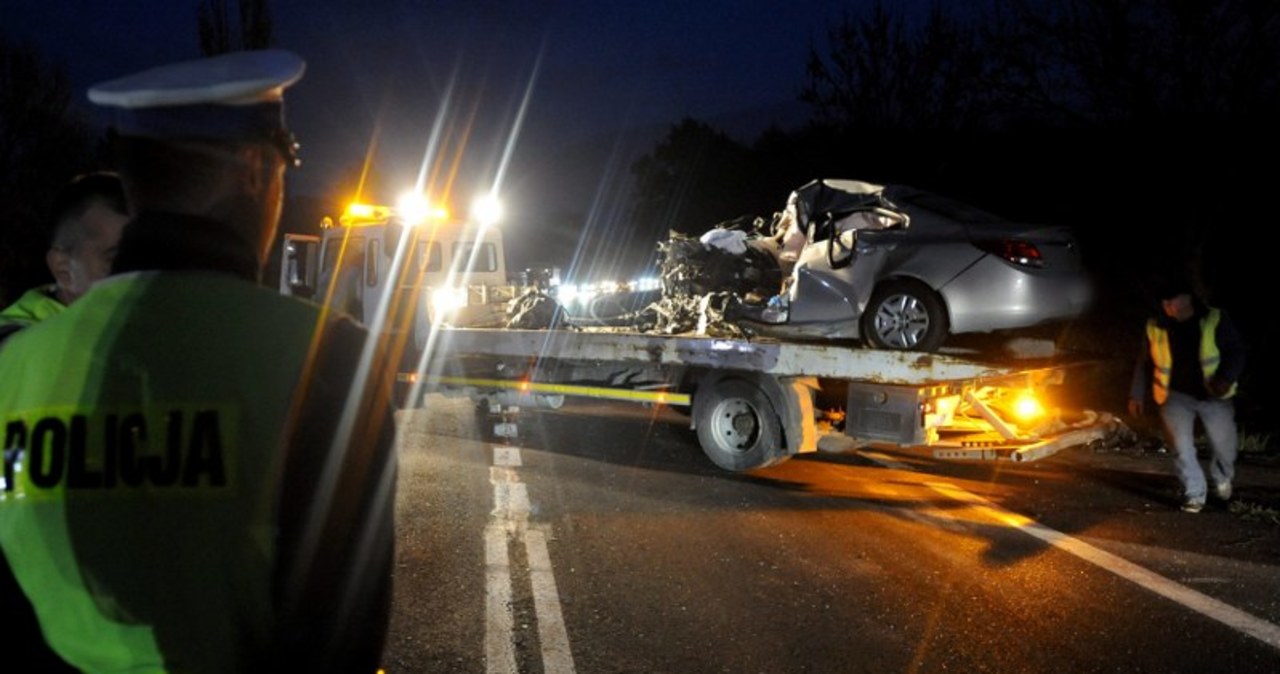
{"x":738,"y":426}
{"x":905,"y":315}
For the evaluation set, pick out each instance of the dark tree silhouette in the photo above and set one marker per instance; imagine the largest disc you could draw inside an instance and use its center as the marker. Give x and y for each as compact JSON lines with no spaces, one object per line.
{"x":695,"y":177}
{"x":43,"y":144}
{"x":218,"y":34}
{"x":880,"y":73}
{"x":1138,"y":63}
{"x":1169,"y":93}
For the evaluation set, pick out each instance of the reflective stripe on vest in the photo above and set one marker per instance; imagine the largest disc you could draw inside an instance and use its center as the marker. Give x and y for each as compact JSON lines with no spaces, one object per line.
{"x":1162,"y":355}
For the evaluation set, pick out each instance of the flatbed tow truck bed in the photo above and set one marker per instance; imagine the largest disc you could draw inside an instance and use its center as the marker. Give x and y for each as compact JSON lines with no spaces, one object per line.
{"x":753,"y":400}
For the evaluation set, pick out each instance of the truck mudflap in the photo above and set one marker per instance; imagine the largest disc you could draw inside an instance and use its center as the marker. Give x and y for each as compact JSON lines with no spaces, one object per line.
{"x":1093,"y":427}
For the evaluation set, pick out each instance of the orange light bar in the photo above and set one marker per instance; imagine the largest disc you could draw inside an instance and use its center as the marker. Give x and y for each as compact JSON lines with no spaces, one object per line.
{"x":360,"y":214}
{"x":358,"y":210}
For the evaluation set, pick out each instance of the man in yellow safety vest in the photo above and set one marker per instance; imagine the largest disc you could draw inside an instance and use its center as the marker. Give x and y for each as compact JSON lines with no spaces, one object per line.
{"x":1190,"y":363}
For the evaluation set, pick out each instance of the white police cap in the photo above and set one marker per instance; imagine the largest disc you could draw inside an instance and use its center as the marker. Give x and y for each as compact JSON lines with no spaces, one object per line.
{"x":235,"y":96}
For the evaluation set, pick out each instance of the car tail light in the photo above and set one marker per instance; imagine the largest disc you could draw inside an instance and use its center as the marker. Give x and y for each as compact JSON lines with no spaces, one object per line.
{"x":1021,"y":253}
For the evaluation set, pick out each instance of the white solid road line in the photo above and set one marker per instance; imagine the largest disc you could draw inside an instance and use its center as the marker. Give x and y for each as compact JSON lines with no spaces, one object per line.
{"x":499,"y":651}
{"x":556,"y":657}
{"x":1241,"y":621}
{"x":510,"y":519}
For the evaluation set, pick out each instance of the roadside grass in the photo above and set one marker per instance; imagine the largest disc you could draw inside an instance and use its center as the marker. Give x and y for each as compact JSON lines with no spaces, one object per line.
{"x":1257,"y":446}
{"x":1255,"y":443}
{"x":1255,"y":512}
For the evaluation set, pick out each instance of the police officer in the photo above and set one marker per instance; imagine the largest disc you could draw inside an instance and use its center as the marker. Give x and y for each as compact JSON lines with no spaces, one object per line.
{"x":197,"y":478}
{"x":88,"y":216}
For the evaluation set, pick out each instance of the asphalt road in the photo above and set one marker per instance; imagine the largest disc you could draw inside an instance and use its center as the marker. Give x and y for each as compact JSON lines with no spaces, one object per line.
{"x":602,"y":541}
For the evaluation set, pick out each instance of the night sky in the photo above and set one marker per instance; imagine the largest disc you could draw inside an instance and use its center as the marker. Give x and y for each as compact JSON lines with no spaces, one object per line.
{"x":606,"y":80}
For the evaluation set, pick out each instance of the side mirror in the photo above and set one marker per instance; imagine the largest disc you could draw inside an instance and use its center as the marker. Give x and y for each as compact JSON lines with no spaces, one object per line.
{"x":298,"y":266}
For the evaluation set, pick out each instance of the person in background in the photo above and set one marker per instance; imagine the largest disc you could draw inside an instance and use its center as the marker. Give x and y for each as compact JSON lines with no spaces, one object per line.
{"x":1190,"y":363}
{"x":226,"y":502}
{"x":88,"y":217}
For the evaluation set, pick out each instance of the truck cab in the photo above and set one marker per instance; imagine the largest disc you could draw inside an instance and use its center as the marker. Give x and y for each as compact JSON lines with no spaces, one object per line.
{"x":393,"y":269}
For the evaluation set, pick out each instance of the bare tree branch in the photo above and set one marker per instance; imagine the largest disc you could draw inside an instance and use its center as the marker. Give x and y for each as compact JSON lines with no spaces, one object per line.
{"x":218,"y":35}
{"x":879,"y":73}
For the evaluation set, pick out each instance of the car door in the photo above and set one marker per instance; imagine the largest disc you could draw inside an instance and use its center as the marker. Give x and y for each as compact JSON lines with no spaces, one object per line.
{"x":834,"y":277}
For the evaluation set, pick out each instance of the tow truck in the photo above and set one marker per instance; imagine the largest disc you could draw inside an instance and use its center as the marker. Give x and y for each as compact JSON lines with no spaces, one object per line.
{"x":753,"y":402}
{"x":404,"y":267}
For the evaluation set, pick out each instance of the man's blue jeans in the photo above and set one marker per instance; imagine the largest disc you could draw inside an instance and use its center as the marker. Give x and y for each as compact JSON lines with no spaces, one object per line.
{"x":1218,"y":417}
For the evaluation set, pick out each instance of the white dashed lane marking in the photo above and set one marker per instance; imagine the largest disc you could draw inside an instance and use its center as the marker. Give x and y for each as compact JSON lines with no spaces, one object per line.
{"x":508,"y":522}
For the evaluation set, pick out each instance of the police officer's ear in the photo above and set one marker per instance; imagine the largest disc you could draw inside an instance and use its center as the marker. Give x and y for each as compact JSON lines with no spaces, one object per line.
{"x":256,"y":167}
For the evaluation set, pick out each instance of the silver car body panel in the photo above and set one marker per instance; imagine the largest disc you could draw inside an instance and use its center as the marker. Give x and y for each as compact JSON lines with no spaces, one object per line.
{"x":981,"y":291}
{"x":996,"y":295}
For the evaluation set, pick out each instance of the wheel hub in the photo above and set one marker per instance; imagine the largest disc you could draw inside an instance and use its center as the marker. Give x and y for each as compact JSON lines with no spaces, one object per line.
{"x":736,"y":424}
{"x":902,"y":321}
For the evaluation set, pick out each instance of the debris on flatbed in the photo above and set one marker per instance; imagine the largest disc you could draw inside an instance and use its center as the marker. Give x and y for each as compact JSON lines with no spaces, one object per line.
{"x":745,"y":265}
{"x":706,"y":280}
{"x":534,"y":310}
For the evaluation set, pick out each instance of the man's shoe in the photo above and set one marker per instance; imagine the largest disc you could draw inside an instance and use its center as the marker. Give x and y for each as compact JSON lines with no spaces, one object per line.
{"x":1190,"y":506}
{"x":1223,"y":491}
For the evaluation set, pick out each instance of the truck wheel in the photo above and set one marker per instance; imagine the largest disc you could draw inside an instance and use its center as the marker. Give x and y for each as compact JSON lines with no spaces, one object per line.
{"x":905,"y":316}
{"x":738,"y":426}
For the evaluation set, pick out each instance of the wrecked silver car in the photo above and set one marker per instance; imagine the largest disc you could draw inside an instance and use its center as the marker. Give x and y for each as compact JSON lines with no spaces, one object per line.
{"x":890,"y":265}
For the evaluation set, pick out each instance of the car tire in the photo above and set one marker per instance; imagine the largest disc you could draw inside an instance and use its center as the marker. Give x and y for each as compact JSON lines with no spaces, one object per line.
{"x":905,"y":316}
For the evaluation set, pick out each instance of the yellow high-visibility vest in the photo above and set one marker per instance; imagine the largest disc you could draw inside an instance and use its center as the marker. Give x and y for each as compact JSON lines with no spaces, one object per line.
{"x":1162,"y":354}
{"x":144,"y":445}
{"x":33,"y":306}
